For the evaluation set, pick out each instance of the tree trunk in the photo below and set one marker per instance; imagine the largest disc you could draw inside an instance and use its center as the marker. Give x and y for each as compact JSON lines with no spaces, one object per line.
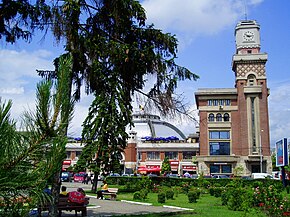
{"x":95,"y":183}
{"x":55,"y":189}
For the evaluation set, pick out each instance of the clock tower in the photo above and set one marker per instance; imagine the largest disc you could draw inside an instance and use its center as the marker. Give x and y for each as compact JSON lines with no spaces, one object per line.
{"x":247,"y":37}
{"x":248,"y":65}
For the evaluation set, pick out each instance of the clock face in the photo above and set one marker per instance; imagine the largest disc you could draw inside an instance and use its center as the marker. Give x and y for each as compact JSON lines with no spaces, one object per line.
{"x":248,"y":36}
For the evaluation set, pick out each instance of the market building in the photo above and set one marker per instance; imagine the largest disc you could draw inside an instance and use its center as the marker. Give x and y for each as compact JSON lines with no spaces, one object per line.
{"x":233,"y":133}
{"x":151,"y":140}
{"x":234,"y":123}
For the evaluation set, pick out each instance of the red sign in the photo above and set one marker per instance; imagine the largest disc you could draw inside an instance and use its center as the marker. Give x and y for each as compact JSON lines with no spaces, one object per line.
{"x":66,"y":162}
{"x":189,"y":168}
{"x":174,"y":165}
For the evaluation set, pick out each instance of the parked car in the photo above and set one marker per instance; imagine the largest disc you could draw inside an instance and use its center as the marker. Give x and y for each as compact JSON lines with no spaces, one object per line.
{"x":135,"y":174}
{"x":261,"y":176}
{"x":152,"y":175}
{"x":220,"y":177}
{"x":79,"y":177}
{"x":246,"y":177}
{"x":114,"y":174}
{"x":65,"y":177}
{"x":207,"y":176}
{"x":194,"y":176}
{"x":173,"y":175}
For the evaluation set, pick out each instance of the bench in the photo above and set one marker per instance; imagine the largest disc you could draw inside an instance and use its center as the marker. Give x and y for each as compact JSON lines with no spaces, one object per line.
{"x":112,"y":192}
{"x":64,"y":204}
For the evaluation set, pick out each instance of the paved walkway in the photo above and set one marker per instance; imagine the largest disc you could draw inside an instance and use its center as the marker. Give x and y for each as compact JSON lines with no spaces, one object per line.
{"x":114,"y":208}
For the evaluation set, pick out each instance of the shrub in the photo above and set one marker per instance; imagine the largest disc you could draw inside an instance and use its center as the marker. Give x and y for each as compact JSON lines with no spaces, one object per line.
{"x":169,"y":194}
{"x":185,"y":187}
{"x":239,"y":199}
{"x":211,"y":191}
{"x":143,"y":194}
{"x":224,"y":197}
{"x":137,"y":195}
{"x":161,"y":197}
{"x":192,"y":196}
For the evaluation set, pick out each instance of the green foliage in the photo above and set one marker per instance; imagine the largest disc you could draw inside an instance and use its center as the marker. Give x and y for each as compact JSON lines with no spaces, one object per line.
{"x":239,"y":199}
{"x":169,"y":194}
{"x":137,"y":195}
{"x":140,"y":195}
{"x":185,"y":187}
{"x":30,"y":158}
{"x":161,"y":197}
{"x":192,"y":196}
{"x":216,"y":191}
{"x":166,"y":168}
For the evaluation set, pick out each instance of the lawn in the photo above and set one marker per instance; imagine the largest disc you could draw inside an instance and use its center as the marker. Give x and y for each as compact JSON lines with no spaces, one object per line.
{"x":206,"y":206}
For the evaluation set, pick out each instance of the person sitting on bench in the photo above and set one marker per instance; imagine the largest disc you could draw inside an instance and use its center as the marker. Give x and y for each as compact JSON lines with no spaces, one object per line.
{"x":77,"y":197}
{"x":63,"y":192}
{"x":104,"y":189}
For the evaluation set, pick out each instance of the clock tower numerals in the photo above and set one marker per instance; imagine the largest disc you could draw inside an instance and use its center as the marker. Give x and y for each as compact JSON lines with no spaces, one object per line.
{"x":248,"y":36}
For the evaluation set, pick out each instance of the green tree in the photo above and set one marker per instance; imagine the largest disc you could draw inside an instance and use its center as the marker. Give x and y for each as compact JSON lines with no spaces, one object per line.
{"x":28,"y":159}
{"x":166,"y":168}
{"x":112,"y":51}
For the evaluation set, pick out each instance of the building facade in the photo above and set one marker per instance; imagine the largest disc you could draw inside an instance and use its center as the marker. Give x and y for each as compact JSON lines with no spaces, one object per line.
{"x":151,"y":140}
{"x":234,"y":124}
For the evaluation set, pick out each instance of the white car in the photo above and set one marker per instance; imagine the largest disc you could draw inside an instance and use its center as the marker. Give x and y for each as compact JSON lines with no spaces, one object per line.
{"x":261,"y":176}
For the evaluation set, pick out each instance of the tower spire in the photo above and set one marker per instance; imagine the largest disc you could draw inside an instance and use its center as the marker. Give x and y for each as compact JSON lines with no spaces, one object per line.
{"x":245,"y":10}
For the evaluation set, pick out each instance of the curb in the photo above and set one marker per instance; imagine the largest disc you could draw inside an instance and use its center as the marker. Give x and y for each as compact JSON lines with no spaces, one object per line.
{"x":176,"y":207}
{"x":139,"y":203}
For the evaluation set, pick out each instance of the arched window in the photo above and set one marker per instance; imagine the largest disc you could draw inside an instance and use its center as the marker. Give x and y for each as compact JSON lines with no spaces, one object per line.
{"x":226,"y":117}
{"x":219,"y":117}
{"x":251,"y":80}
{"x":211,"y":117}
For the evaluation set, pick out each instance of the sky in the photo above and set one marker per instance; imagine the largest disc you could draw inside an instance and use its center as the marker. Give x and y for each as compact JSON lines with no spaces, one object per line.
{"x":205,"y":31}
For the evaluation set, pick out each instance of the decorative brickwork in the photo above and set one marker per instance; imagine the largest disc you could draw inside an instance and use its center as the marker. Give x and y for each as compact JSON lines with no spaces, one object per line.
{"x":258,"y":68}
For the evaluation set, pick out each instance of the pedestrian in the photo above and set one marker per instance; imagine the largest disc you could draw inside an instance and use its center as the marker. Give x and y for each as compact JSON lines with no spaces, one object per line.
{"x":105,"y":188}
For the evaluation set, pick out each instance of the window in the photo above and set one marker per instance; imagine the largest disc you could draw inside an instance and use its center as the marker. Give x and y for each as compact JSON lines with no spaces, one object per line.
{"x":172,"y":155}
{"x":209,"y":102}
{"x":219,"y":148}
{"x":78,"y":153}
{"x":68,"y":155}
{"x":251,"y":80}
{"x":188,"y":154}
{"x":211,"y":117}
{"x":219,"y":134}
{"x":219,"y":117}
{"x":153,"y":155}
{"x":226,"y":117}
{"x":227,"y":102}
{"x":215,"y":102}
{"x":220,"y":168}
{"x":221,"y":102}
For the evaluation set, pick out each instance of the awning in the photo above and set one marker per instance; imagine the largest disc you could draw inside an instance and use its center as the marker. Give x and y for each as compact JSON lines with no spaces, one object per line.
{"x":149,"y":169}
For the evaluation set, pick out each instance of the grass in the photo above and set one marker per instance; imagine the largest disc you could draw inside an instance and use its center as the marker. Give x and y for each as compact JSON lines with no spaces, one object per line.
{"x":206,"y":206}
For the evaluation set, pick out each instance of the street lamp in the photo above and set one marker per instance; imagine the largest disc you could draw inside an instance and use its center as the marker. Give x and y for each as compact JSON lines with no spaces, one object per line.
{"x":261,"y":156}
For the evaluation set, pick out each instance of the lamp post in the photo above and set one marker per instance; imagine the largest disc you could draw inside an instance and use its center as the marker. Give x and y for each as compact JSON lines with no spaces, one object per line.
{"x":261,"y":156}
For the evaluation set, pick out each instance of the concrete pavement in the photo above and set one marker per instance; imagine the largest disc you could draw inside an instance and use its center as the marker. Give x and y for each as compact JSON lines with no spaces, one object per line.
{"x":114,"y":208}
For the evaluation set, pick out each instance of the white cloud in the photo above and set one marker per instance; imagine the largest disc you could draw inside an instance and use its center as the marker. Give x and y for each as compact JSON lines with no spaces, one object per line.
{"x":279,"y":111}
{"x":18,"y":68}
{"x":189,"y":19}
{"x":187,"y":16}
